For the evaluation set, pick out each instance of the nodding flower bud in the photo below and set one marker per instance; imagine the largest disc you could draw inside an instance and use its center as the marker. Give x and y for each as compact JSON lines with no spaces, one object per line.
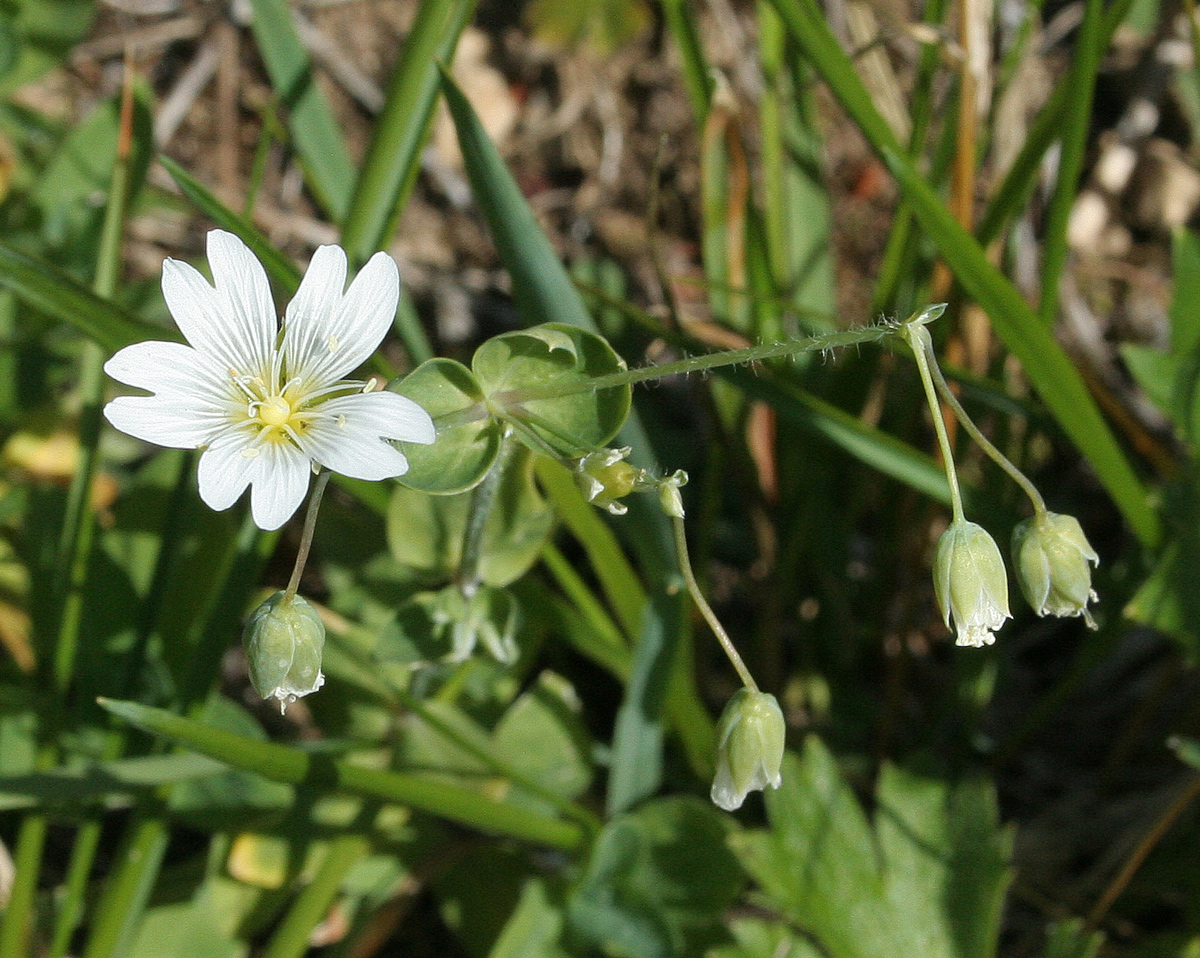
{"x":668,"y":493}
{"x":971,"y":583}
{"x":1052,"y":556}
{"x":605,"y":478}
{"x":284,"y":640}
{"x":749,"y":748}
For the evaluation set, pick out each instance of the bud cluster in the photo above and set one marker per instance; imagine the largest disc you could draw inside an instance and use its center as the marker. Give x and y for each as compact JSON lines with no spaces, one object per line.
{"x":607,"y":477}
{"x":1053,"y":558}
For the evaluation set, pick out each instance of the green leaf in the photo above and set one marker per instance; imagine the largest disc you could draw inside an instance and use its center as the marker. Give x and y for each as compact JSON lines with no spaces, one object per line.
{"x":468,"y":438}
{"x":294,"y":767}
{"x":554,"y":353}
{"x":425,"y":533}
{"x":534,"y":927}
{"x":103,"y":780}
{"x":657,"y":882}
{"x":605,"y":26}
{"x":326,"y":163}
{"x":928,"y":879}
{"x":55,"y":293}
{"x":541,"y":287}
{"x":543,"y":734}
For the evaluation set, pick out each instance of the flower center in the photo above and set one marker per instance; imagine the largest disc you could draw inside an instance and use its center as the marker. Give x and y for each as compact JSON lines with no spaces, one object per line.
{"x":275,"y":411}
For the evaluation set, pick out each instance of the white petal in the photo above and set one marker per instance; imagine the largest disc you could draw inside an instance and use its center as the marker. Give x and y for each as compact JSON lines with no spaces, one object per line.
{"x":170,"y":369}
{"x":336,"y":342}
{"x":388,"y":414}
{"x":279,"y":482}
{"x":224,"y":470}
{"x":349,"y":437}
{"x":173,"y":422}
{"x":310,"y":315}
{"x":208,"y":318}
{"x":242,"y":283}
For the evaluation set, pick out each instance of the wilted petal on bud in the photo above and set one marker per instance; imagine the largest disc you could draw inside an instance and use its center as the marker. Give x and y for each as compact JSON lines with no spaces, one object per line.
{"x":750,"y":739}
{"x":284,"y":640}
{"x":971,"y":583}
{"x":605,"y":478}
{"x":1052,"y":556}
{"x":668,"y":493}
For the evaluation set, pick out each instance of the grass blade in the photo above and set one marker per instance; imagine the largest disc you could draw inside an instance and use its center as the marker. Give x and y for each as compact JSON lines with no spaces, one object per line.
{"x":58,"y":295}
{"x":310,"y":121}
{"x":293,"y":767}
{"x":1051,"y":372}
{"x":279,"y":267}
{"x":394,"y":155}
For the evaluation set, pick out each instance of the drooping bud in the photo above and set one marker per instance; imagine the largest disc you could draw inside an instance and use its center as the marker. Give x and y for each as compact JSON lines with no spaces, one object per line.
{"x":668,"y":493}
{"x":1052,"y":556}
{"x":750,"y":738}
{"x":606,"y":477}
{"x":284,"y":640}
{"x":971,"y":583}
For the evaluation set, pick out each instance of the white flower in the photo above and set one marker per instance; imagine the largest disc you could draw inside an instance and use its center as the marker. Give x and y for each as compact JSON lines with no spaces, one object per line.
{"x":267,"y":409}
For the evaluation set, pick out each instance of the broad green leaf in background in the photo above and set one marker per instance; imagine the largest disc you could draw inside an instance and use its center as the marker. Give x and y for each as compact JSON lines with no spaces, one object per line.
{"x":40,"y":34}
{"x":928,"y":879}
{"x":603,"y":25}
{"x":554,"y":353}
{"x":657,"y":882}
{"x":59,"y":296}
{"x":425,"y":533}
{"x":468,"y":439}
{"x":292,"y":766}
{"x":534,"y":927}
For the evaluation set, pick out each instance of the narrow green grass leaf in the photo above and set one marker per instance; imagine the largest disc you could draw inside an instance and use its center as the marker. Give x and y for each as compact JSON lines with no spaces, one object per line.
{"x":393,"y":157}
{"x":102,"y":780}
{"x":541,"y":286}
{"x":279,"y":267}
{"x":1085,"y":64}
{"x":310,"y":120}
{"x":293,"y":767}
{"x":58,"y":295}
{"x":1051,"y":372}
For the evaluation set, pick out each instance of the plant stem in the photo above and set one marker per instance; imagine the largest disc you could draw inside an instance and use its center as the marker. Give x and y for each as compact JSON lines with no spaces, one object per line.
{"x":922,"y":347}
{"x":943,"y":388}
{"x":685,"y":566}
{"x":310,"y":523}
{"x":480,"y":508}
{"x":695,"y":364}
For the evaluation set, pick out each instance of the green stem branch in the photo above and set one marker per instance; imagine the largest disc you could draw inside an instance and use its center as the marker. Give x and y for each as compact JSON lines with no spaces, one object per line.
{"x":922,"y":346}
{"x":685,"y":566}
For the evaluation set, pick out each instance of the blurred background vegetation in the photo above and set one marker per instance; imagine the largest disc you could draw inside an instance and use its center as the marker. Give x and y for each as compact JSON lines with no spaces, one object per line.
{"x":679,"y":176}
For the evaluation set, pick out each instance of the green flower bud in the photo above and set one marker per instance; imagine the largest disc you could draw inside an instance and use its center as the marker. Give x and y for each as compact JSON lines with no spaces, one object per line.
{"x":605,"y":478}
{"x":971,"y":583}
{"x":284,"y":640}
{"x":668,"y":493}
{"x":1052,"y":556}
{"x":749,"y":748}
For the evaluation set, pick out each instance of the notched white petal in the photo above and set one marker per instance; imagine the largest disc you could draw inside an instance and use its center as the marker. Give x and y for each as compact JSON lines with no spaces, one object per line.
{"x":169,"y":369}
{"x":278,"y":484}
{"x":225,"y":470}
{"x":176,"y":424}
{"x":341,"y":340}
